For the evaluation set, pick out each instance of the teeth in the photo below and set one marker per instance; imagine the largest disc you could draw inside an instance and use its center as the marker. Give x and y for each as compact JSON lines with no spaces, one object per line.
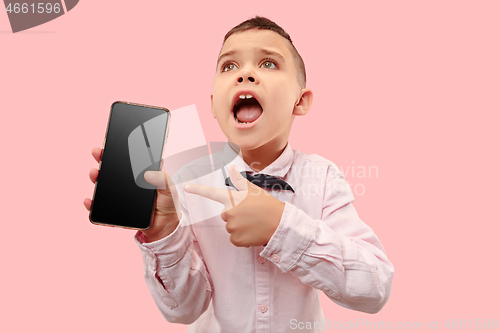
{"x":248,"y":96}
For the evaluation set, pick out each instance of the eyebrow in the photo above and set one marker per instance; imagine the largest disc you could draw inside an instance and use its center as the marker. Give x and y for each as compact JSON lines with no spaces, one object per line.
{"x":261,"y":50}
{"x":225,"y":55}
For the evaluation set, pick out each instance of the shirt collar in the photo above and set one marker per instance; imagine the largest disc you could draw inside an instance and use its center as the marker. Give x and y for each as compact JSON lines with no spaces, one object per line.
{"x":278,"y":168}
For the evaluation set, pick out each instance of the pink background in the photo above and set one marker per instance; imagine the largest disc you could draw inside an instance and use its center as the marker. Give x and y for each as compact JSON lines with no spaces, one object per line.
{"x":411,"y":88}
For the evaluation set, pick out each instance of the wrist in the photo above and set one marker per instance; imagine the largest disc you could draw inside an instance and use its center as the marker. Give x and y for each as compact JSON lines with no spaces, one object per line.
{"x":149,"y":238}
{"x":169,"y":223}
{"x":275,"y":216}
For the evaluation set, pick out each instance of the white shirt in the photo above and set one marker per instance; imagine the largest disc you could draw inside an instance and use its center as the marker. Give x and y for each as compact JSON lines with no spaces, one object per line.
{"x":320,"y":245}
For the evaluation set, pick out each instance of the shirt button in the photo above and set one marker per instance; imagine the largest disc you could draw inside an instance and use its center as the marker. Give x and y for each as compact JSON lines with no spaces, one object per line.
{"x":275,"y":258}
{"x":262,"y":308}
{"x":262,"y":260}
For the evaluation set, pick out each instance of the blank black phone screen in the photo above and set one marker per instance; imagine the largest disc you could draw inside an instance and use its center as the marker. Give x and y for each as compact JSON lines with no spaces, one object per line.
{"x":134,"y":144}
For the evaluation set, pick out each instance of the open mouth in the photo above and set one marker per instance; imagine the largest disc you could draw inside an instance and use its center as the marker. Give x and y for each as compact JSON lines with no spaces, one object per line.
{"x":246,"y":109}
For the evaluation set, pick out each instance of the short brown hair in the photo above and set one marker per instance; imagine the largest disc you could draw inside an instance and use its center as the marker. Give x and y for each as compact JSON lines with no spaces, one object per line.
{"x":263,"y":23}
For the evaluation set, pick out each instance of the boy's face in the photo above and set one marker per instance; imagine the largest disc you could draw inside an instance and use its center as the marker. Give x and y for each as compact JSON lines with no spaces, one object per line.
{"x":257,"y":63}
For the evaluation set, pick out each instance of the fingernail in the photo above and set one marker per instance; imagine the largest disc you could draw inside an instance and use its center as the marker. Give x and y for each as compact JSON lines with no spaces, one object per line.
{"x":149,"y":176}
{"x":187,"y":187}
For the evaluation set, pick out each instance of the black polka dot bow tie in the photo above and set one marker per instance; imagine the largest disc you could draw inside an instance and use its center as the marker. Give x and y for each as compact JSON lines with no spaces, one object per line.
{"x":264,"y":181}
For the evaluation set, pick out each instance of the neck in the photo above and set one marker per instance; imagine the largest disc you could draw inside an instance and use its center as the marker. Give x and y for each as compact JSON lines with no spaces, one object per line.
{"x":261,"y":157}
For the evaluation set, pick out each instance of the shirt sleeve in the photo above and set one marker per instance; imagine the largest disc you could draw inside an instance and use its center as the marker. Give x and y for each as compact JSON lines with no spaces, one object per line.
{"x":176,"y":274}
{"x":338,"y":254}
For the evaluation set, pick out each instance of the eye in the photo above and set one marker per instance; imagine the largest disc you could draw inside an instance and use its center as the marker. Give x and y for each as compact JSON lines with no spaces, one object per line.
{"x":269,"y":64}
{"x":228,"y":66}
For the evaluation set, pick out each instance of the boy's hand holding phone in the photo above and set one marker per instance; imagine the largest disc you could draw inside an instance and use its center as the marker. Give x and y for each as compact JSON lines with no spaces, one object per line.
{"x":251,"y":214}
{"x":166,"y":218}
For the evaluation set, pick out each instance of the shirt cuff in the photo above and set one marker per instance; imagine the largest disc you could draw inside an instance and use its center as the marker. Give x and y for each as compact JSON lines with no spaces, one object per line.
{"x":167,"y":251}
{"x":293,"y":236}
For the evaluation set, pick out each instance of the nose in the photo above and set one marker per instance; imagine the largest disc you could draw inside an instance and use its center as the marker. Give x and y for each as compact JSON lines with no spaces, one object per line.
{"x":248,"y":75}
{"x":250,"y":78}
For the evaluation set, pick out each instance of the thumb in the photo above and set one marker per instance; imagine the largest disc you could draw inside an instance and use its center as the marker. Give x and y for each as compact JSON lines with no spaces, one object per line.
{"x":160,"y":179}
{"x":240,"y":182}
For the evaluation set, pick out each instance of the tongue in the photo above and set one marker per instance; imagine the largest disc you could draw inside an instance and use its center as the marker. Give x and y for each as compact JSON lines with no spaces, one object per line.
{"x":248,"y":113}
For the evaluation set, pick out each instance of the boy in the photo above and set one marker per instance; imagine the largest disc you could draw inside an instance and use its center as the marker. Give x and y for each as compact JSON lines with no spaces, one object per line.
{"x":257,"y":267}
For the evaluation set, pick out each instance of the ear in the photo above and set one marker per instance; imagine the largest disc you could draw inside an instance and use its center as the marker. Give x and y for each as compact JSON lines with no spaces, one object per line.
{"x":304,"y":103}
{"x":212,"y":105}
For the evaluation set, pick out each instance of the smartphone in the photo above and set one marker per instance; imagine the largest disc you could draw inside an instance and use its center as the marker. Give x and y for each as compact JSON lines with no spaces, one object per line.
{"x":134,"y":143}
